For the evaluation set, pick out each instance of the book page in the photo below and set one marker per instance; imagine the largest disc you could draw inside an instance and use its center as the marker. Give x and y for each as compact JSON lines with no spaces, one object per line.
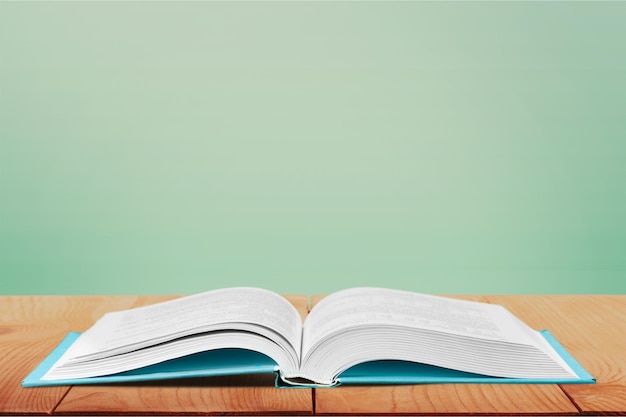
{"x":236,"y":308}
{"x":366,"y":306}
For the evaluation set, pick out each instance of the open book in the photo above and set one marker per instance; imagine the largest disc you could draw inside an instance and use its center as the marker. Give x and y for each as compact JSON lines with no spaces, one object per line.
{"x":359,"y":335}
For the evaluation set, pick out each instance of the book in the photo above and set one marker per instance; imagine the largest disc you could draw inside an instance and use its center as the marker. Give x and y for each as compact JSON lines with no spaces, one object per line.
{"x":353,"y":336}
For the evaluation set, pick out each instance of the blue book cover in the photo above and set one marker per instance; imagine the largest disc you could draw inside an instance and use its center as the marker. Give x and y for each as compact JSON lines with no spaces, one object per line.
{"x":239,"y":361}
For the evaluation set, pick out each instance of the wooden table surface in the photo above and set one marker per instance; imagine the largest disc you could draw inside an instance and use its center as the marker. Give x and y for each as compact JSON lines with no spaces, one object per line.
{"x":591,"y":327}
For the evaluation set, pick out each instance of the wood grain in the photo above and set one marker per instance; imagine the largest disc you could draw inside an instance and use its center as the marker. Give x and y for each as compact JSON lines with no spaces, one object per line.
{"x":592,"y":328}
{"x":30,"y":327}
{"x":245,"y":394}
{"x":443,"y":399}
{"x":251,"y":395}
{"x":451,"y":399}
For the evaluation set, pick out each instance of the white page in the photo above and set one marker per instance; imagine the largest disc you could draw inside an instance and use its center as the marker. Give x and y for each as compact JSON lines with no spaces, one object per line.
{"x":363,"y":306}
{"x":126,"y":330}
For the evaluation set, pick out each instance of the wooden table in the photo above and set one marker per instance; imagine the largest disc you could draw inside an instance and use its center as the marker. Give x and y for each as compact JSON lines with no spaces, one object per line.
{"x":591,"y":327}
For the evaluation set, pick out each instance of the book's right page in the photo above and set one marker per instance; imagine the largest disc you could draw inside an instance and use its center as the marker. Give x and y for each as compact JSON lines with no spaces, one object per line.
{"x":350,"y":329}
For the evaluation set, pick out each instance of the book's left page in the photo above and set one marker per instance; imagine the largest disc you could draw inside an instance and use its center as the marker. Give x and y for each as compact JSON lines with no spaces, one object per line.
{"x":241,"y":318}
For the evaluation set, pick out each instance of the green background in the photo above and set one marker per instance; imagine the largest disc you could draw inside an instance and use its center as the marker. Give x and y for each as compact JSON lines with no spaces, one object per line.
{"x":176,"y":147}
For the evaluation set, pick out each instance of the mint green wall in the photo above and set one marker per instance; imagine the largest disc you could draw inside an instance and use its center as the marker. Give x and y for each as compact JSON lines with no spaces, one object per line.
{"x":455,"y":147}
